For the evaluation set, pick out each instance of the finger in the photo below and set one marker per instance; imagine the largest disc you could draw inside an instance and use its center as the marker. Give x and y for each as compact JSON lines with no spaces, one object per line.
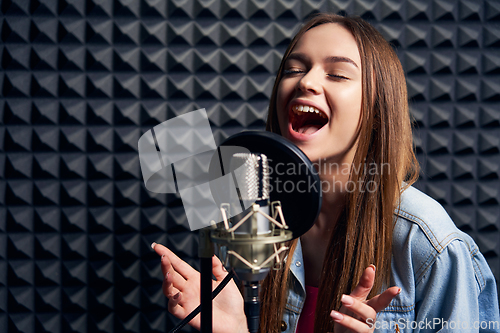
{"x":217,"y":269}
{"x":349,"y":322}
{"x":179,"y":265}
{"x":166,"y":267}
{"x":169,"y":290}
{"x":380,"y":302}
{"x":365,"y":284}
{"x":361,"y":309}
{"x":174,"y":307}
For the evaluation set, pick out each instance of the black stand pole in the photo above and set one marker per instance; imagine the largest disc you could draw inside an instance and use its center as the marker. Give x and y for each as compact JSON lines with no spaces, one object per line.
{"x":205,"y":252}
{"x":206,"y":295}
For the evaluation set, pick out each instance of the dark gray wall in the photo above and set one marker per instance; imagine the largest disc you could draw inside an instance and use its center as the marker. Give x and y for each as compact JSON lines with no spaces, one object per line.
{"x":80,"y":82}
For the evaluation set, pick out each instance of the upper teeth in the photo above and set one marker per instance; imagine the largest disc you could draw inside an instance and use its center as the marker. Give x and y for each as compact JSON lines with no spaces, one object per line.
{"x":306,"y":108}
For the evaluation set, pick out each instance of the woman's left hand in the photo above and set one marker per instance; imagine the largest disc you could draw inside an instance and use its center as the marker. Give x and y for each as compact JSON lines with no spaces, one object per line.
{"x":358,"y":314}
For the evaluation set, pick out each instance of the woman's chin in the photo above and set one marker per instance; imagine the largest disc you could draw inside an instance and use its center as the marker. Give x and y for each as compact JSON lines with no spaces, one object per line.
{"x":311,"y":153}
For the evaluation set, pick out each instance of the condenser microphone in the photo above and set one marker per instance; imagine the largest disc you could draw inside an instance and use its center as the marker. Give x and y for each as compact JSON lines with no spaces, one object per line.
{"x":252,"y":241}
{"x":253,"y":187}
{"x":279,"y":194}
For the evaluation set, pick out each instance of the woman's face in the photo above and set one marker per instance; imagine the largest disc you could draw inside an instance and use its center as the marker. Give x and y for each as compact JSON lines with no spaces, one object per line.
{"x":319,"y":96}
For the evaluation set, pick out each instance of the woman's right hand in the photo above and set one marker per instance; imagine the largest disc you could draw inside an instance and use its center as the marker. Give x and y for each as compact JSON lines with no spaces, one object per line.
{"x":181,"y":285}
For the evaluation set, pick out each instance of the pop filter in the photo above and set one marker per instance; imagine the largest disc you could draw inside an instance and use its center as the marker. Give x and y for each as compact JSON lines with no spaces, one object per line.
{"x":294,"y":180}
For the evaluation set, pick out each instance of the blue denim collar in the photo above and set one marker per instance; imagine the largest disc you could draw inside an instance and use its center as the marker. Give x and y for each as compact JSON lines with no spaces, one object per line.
{"x":298,"y":269}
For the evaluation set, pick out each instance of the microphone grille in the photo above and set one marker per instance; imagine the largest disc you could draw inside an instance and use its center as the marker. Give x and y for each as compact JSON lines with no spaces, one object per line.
{"x":253,"y":180}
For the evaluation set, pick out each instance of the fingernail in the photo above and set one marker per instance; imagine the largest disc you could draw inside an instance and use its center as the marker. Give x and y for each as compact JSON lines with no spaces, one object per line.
{"x":166,"y":276}
{"x":373,"y":267}
{"x":153,"y":245}
{"x":176,"y":296}
{"x":399,"y":291}
{"x":347,"y":300}
{"x":162,"y":257}
{"x":337,"y":316}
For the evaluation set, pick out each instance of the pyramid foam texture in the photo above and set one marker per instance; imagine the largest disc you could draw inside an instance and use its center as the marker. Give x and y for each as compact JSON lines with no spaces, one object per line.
{"x":81,"y":81}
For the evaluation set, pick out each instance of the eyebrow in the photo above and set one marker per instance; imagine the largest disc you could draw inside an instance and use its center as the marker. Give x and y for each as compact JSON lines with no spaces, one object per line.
{"x":303,"y":58}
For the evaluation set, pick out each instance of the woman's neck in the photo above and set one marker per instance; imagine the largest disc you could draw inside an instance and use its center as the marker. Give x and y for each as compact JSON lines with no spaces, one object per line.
{"x":334,"y":178}
{"x":315,"y":241}
{"x":334,"y":175}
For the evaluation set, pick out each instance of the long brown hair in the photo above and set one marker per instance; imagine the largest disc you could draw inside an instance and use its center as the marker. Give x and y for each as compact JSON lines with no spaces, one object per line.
{"x":363,"y":233}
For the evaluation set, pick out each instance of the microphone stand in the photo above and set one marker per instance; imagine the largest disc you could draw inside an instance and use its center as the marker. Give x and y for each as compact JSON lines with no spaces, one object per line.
{"x":205,"y":252}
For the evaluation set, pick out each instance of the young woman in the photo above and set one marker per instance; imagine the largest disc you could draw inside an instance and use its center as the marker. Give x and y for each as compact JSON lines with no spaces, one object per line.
{"x":340,"y":95}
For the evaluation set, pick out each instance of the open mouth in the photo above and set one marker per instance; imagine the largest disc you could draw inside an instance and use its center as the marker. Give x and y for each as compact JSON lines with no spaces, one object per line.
{"x":307,"y":119}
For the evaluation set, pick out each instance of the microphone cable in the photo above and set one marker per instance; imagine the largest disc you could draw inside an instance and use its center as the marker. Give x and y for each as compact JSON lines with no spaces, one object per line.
{"x":193,"y":314}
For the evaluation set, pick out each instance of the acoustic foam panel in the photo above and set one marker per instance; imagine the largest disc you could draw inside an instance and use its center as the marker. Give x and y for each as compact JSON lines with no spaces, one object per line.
{"x":81,"y":81}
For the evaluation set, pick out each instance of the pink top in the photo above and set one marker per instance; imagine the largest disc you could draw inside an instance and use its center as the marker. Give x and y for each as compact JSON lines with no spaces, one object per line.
{"x":306,"y":319}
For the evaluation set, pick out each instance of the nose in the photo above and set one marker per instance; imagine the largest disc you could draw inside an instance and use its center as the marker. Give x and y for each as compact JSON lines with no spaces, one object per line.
{"x":311,"y":81}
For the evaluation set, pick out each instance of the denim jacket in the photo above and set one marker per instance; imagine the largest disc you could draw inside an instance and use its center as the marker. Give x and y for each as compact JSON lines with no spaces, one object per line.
{"x":446,"y":283}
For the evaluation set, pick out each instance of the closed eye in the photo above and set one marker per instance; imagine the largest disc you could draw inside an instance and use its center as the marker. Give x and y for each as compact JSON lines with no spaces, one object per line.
{"x":336,"y":76}
{"x":300,"y":71}
{"x":292,"y":71}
